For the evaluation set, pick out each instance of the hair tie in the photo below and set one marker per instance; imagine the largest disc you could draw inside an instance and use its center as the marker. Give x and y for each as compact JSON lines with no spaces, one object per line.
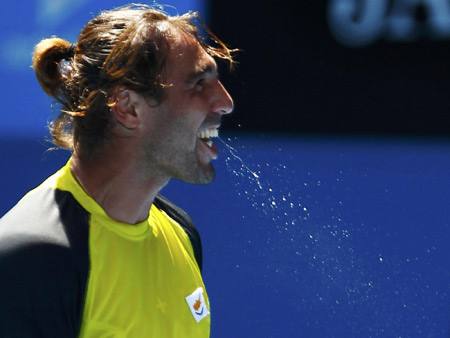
{"x":71,"y":51}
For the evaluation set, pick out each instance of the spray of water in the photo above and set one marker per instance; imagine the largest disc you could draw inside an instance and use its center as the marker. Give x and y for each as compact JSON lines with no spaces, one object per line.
{"x":305,"y":239}
{"x":260,"y":192}
{"x":308,"y":243}
{"x":233,"y":153}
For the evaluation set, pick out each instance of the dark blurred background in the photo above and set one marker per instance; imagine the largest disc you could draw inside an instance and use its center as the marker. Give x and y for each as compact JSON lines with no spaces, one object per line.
{"x":339,"y":66}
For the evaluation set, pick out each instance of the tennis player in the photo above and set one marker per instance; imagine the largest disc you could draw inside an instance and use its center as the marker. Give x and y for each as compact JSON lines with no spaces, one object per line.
{"x":95,"y":250}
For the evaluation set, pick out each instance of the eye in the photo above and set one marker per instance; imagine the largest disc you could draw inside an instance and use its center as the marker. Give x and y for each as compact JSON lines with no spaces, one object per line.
{"x":199,"y":84}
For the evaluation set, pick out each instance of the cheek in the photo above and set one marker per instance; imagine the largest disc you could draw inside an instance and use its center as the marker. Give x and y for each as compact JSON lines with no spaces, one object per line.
{"x":181,"y":133}
{"x":186,"y":122}
{"x":182,"y":121}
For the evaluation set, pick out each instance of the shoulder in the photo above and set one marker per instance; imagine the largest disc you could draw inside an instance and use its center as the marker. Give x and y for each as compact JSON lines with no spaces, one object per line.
{"x":173,"y":211}
{"x":182,"y":218}
{"x":45,"y":216}
{"x":46,"y":220}
{"x":44,"y":263}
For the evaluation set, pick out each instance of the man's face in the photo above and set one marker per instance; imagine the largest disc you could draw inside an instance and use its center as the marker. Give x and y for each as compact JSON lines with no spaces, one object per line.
{"x":177,"y":141}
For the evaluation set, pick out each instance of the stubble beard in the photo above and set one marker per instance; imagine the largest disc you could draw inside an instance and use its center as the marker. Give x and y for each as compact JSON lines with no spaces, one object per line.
{"x":183,"y":165}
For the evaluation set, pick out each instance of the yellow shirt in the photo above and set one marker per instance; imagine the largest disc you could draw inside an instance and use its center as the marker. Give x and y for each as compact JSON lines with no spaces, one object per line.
{"x":143,"y":279}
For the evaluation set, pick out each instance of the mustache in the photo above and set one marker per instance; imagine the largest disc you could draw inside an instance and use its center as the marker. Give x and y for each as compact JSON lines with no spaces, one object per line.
{"x":212,"y":121}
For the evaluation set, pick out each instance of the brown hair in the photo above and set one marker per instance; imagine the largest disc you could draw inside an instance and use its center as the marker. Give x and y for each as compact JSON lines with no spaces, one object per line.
{"x":125,"y":46}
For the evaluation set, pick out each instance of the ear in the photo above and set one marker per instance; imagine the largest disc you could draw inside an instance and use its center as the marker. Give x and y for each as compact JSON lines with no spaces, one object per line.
{"x":122,"y":108}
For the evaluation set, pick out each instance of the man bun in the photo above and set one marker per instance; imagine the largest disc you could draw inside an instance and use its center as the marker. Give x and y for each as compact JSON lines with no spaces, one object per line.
{"x":46,"y":63}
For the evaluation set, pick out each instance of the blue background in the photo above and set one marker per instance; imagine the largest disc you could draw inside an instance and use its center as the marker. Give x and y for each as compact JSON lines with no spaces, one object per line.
{"x":303,"y":235}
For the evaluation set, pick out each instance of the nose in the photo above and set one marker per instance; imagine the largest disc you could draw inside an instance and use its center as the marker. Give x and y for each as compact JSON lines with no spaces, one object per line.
{"x":222,"y":103}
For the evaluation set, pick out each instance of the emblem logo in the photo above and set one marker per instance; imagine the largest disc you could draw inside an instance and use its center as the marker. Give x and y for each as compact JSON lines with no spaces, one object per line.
{"x":197,"y":305}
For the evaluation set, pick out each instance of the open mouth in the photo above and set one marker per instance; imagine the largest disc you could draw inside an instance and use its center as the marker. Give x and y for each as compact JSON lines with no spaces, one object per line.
{"x":207,"y":135}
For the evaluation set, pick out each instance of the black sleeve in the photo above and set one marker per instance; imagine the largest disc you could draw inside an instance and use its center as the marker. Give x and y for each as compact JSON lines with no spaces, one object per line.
{"x":186,"y":223}
{"x":43,"y":266}
{"x":36,"y":292}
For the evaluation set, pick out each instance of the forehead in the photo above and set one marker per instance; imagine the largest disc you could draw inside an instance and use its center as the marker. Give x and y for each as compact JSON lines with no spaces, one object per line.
{"x":187,"y":57}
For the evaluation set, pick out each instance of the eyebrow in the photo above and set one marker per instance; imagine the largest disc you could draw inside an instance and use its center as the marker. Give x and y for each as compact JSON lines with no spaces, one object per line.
{"x":194,"y":76}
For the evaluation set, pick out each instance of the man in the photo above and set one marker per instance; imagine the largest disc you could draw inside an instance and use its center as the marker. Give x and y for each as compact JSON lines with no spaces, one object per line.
{"x":94,"y":251}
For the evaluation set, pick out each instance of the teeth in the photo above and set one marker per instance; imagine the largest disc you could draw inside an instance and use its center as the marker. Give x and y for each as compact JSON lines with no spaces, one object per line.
{"x":208,"y":133}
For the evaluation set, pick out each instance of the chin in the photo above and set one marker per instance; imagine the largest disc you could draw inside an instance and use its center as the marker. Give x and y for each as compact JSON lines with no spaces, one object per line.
{"x":205,"y":178}
{"x":201,"y":176}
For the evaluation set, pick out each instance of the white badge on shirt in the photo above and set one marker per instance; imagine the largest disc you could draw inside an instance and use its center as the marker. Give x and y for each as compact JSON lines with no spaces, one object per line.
{"x":197,"y":305}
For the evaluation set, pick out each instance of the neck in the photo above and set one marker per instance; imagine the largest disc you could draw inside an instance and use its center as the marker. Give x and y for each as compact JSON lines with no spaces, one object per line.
{"x":114,"y":180}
